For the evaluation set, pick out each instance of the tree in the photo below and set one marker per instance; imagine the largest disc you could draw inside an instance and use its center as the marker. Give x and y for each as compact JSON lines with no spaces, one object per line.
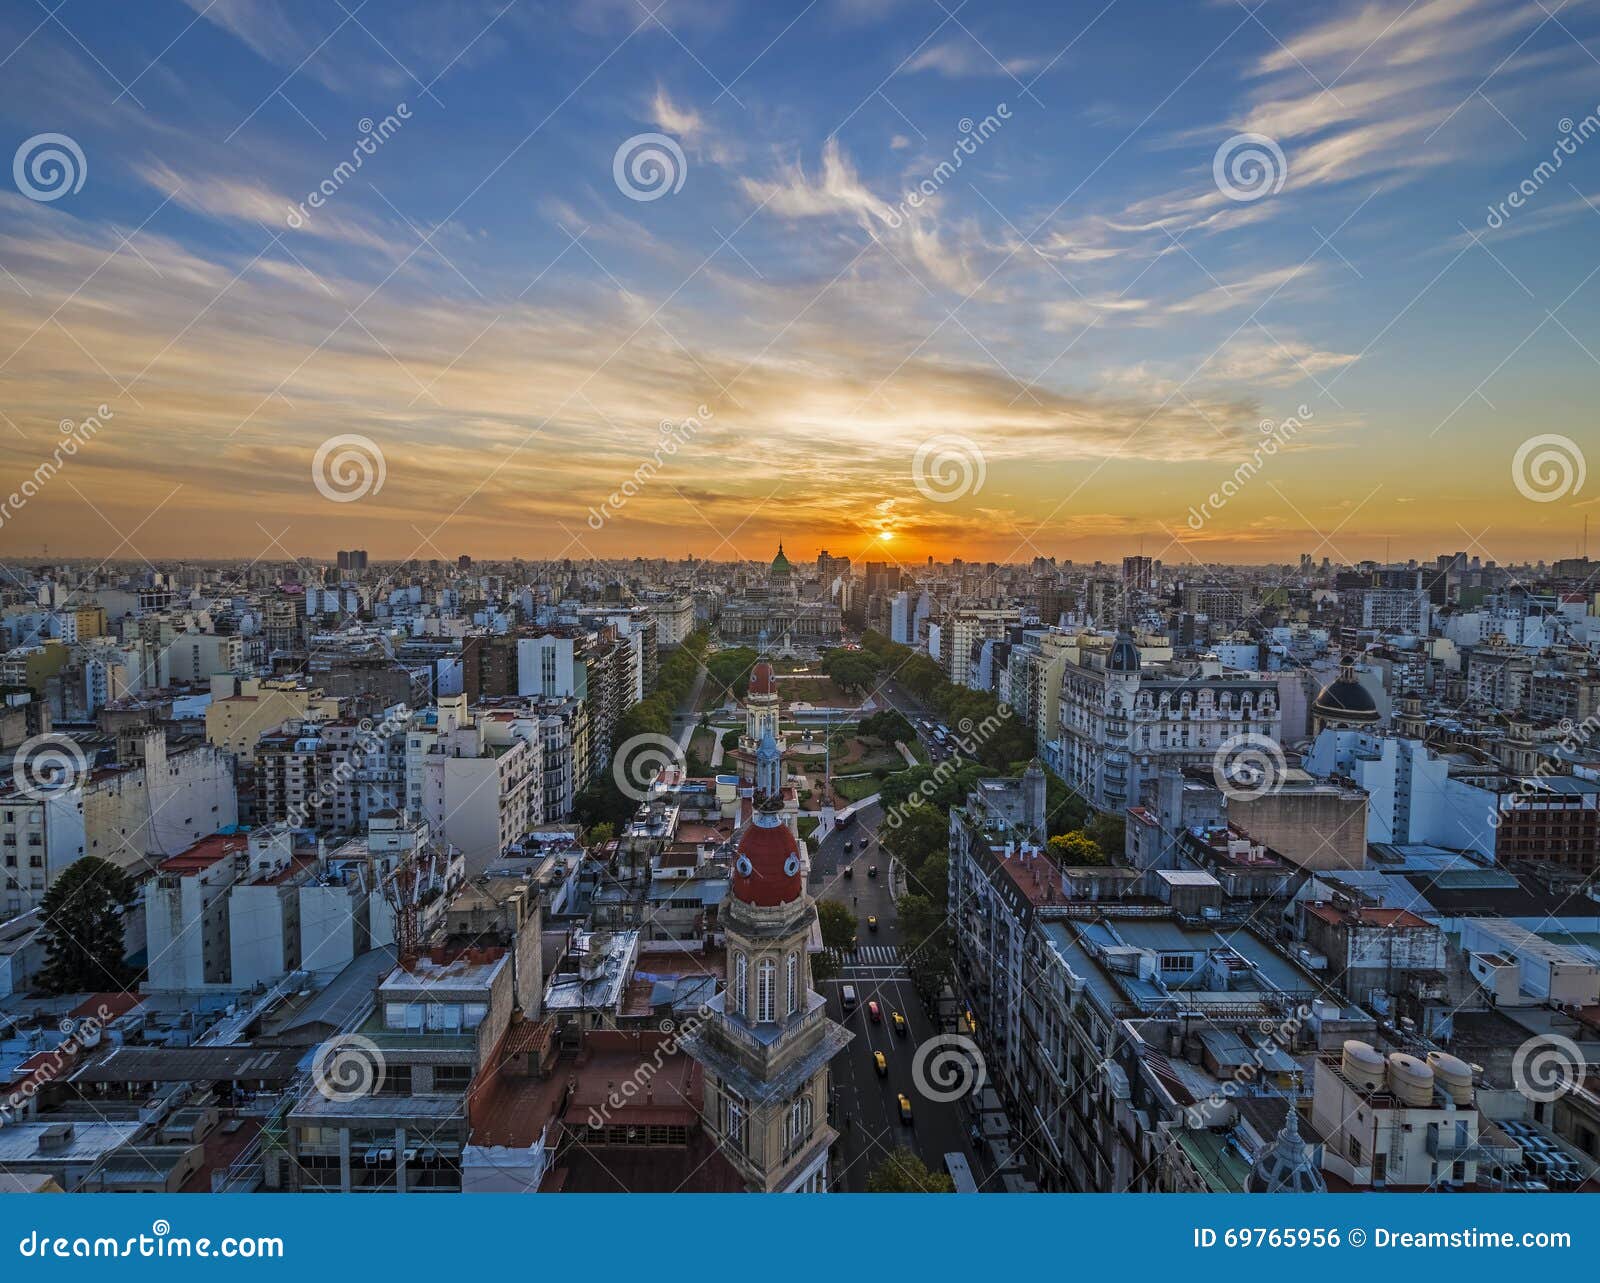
{"x":601,"y":833}
{"x":888,"y":726}
{"x":1076,"y":849}
{"x":1109,"y":832}
{"x":904,"y":1173}
{"x":83,"y":915}
{"x":924,"y":928}
{"x":838,"y":925}
{"x":921,"y":831}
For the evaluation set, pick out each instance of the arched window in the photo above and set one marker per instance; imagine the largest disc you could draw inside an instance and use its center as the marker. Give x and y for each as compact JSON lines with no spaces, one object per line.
{"x":767,"y":990}
{"x":805,"y":1115}
{"x":741,"y":985}
{"x":794,"y":983}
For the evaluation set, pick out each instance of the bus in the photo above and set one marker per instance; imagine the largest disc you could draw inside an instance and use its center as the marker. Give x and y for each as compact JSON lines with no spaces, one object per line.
{"x":960,"y":1171}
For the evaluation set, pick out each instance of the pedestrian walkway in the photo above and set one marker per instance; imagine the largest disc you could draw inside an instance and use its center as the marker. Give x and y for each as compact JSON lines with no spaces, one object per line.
{"x":881,"y":955}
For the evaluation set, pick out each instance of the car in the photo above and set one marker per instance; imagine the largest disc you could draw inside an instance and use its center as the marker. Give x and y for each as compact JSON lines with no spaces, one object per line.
{"x":876,"y":1012}
{"x":905,"y":1108}
{"x":899,"y":1024}
{"x":847,"y":997}
{"x":872,"y":870}
{"x":849,"y":870}
{"x":880,"y":1062}
{"x":872,"y":922}
{"x":849,"y":845}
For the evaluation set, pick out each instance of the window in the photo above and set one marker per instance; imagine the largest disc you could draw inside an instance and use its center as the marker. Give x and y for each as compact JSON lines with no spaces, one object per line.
{"x":793,"y":968}
{"x":741,"y":985}
{"x":766,"y":990}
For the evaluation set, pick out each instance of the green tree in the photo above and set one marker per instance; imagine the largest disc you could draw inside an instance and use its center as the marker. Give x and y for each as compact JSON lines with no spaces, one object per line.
{"x":838,"y":924}
{"x":1109,"y":832}
{"x":601,"y":833}
{"x":922,"y":831}
{"x":902,"y":1172}
{"x":83,"y":915}
{"x":924,"y":927}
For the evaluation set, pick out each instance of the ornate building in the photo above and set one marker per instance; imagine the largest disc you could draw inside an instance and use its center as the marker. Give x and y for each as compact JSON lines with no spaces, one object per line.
{"x":762,"y":711}
{"x":767,"y":1039}
{"x":778,"y":609}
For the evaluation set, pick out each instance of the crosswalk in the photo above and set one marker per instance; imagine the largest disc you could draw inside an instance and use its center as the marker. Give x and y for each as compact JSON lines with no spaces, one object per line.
{"x":882,"y":955}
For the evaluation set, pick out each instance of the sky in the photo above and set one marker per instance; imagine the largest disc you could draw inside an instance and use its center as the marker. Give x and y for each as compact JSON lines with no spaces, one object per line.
{"x":1217,"y":282}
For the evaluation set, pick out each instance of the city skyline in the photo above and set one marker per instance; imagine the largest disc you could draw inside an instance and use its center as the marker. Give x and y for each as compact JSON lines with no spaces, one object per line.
{"x":1000,"y":285}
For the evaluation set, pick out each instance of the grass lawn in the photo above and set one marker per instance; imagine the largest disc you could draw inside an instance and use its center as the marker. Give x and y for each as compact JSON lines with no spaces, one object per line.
{"x":856,"y":787}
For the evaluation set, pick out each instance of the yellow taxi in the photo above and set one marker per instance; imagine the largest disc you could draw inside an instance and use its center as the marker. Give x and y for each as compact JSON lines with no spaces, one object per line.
{"x":905,"y":1108}
{"x":899,"y":1023}
{"x":872,"y":922}
{"x":880,"y":1062}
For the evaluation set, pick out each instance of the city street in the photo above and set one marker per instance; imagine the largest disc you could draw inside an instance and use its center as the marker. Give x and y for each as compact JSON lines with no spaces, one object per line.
{"x":866,"y":1108}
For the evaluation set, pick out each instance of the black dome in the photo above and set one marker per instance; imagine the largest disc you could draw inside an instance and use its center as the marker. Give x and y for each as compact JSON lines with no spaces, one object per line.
{"x":1346,"y":699}
{"x":1124,"y":656}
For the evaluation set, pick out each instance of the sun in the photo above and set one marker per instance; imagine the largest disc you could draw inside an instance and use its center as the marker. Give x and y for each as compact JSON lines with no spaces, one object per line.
{"x":885,"y":535}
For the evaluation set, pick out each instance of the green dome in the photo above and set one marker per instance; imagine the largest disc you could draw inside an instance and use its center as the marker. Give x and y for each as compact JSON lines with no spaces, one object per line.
{"x":780,"y":563}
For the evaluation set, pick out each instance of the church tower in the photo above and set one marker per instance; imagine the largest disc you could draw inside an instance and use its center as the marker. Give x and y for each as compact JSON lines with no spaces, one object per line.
{"x":763,"y":710}
{"x":766,"y":1039}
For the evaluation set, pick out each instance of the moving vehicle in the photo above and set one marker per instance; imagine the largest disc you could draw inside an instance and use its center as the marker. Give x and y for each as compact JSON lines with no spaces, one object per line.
{"x":849,"y":845}
{"x":847,"y":997}
{"x":960,"y":1171}
{"x":905,"y":1108}
{"x":872,"y":922}
{"x":849,"y":870}
{"x":876,"y":1012}
{"x":872,"y":870}
{"x":880,"y":1062}
{"x":899,"y":1024}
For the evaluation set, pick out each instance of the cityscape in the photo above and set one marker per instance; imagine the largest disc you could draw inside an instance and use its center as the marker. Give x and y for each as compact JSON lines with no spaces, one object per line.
{"x":824,"y":598}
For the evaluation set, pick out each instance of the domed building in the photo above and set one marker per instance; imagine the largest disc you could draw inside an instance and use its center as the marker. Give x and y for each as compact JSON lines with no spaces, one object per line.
{"x":800,"y":619}
{"x":763,"y":710}
{"x":766,"y":1042}
{"x":1285,"y":1166}
{"x":1344,"y":702}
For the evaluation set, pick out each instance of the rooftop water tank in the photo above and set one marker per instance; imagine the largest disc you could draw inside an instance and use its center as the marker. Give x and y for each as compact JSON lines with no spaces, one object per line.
{"x":1454,"y":1075}
{"x":1363,"y":1065}
{"x":1410,"y":1079}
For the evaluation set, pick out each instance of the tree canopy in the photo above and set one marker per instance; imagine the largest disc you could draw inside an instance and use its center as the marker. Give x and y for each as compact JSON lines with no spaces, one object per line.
{"x":84,"y":912}
{"x":903,"y":1172}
